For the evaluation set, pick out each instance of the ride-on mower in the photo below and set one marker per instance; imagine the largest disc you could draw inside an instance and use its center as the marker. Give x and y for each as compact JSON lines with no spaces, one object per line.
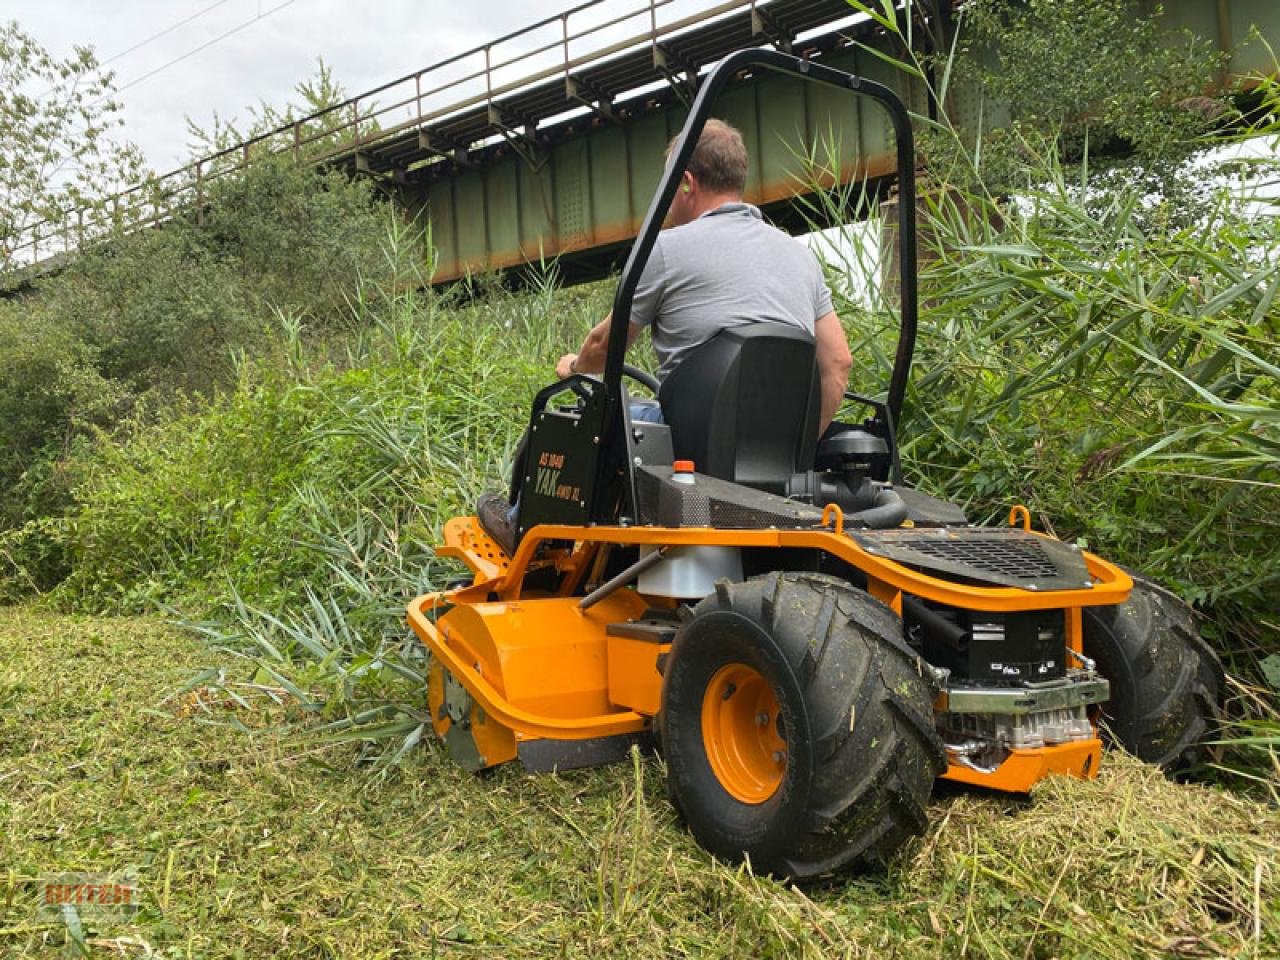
{"x":812,"y":642}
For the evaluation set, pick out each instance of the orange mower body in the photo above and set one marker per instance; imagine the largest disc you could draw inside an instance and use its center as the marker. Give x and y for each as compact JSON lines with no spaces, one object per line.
{"x":538,"y":667}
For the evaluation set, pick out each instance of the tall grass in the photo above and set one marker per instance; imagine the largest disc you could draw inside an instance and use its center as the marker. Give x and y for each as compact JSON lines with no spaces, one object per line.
{"x":1120,"y":379}
{"x":292,"y":519}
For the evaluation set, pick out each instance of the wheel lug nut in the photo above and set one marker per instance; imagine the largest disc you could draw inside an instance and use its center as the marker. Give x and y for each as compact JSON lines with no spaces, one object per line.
{"x":779,"y":756}
{"x":762,"y":719}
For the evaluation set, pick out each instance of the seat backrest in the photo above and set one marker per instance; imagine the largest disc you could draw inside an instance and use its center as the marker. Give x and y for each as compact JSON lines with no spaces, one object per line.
{"x":745,"y":405}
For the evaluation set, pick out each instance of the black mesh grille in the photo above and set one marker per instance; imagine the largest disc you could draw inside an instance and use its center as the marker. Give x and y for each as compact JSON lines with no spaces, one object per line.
{"x":983,"y":554}
{"x":1023,"y":559}
{"x":683,"y":508}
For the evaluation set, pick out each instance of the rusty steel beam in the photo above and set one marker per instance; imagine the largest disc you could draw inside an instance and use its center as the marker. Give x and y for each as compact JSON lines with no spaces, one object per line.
{"x":587,"y":202}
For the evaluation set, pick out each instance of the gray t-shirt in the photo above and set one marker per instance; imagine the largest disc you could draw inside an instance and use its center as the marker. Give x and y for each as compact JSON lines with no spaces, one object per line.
{"x":725,"y":269}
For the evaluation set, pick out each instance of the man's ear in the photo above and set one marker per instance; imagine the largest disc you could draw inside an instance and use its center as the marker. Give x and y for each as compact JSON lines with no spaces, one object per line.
{"x":686,"y":182}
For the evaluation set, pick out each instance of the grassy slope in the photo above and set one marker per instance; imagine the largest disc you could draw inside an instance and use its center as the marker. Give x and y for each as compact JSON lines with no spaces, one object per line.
{"x":254,"y":845}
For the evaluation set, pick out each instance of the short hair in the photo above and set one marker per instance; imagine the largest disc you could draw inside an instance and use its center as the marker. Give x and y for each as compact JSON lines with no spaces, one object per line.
{"x":719,"y":161}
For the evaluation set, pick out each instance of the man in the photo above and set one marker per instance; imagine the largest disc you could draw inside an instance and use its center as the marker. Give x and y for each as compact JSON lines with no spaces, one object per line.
{"x":720,"y":265}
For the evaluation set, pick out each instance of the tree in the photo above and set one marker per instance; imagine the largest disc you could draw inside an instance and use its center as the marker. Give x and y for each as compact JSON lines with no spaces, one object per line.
{"x":1100,"y":81}
{"x":58,"y":160}
{"x":319,"y":124}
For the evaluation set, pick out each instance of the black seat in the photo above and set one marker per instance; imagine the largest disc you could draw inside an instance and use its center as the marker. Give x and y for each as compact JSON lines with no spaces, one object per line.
{"x":745,"y":405}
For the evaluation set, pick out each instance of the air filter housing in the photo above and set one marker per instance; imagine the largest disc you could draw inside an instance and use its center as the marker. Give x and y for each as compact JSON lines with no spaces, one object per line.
{"x":991,"y":648}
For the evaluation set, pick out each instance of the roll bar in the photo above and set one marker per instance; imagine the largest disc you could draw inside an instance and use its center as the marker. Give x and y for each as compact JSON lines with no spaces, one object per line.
{"x":711,"y":87}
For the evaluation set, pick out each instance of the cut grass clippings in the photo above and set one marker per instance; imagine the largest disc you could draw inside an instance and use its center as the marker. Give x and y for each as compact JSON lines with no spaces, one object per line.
{"x":254,"y":843}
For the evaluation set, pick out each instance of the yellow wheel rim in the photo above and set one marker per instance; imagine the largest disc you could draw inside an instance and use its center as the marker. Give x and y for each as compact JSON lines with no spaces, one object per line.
{"x":740,"y":732}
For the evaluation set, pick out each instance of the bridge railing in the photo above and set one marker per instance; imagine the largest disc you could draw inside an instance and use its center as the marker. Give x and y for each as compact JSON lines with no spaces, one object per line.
{"x":584,"y":35}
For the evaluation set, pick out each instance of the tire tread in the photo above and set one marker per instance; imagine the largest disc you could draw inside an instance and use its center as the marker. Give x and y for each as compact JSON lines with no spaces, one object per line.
{"x":869,"y":702}
{"x":1166,"y":681}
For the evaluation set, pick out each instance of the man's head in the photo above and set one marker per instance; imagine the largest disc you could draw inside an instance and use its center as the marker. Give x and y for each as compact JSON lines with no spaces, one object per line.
{"x":716,"y":174}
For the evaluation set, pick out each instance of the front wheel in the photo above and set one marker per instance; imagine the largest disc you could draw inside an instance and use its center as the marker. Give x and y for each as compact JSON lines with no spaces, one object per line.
{"x":798,"y":726}
{"x":1166,"y":682}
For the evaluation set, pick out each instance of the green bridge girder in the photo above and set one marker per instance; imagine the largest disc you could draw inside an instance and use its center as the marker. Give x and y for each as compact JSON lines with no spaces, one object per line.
{"x":577,"y":195}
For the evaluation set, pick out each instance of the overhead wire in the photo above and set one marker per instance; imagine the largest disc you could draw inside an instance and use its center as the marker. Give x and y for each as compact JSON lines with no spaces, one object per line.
{"x":204,"y":46}
{"x":261,"y":15}
{"x":155,"y":36}
{"x":166,"y":31}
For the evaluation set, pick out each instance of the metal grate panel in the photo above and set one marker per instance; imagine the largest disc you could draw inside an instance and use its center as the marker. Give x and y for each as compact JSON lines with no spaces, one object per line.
{"x":1023,"y":559}
{"x":998,"y":555}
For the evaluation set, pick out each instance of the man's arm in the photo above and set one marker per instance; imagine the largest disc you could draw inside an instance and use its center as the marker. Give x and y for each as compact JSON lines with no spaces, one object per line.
{"x":834,"y":363}
{"x":595,"y":348}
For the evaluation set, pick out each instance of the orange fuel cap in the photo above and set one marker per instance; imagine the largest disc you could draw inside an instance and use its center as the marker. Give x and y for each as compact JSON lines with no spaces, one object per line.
{"x":682,"y":466}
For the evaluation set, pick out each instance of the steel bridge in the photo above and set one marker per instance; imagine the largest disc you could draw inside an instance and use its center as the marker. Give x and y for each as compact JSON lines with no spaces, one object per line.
{"x":546,"y":144}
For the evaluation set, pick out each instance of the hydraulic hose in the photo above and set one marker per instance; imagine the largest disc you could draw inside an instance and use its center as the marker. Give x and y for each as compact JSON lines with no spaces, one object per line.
{"x":887,"y":511}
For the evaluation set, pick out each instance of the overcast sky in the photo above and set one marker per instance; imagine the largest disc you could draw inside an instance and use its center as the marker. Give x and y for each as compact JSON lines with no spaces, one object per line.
{"x":274,"y":45}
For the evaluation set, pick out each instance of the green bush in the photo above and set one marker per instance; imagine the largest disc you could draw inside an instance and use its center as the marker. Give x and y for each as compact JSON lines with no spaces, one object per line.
{"x":50,"y":391}
{"x":141,"y":320}
{"x":298,"y":512}
{"x":313,"y":467}
{"x":168,"y":309}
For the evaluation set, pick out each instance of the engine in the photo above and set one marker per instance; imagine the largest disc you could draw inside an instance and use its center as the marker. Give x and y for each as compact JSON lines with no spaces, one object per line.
{"x":1007,"y":683}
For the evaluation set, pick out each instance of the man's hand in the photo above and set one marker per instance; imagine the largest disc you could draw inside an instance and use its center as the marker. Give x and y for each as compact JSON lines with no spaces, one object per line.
{"x":567,"y":365}
{"x":594,"y":352}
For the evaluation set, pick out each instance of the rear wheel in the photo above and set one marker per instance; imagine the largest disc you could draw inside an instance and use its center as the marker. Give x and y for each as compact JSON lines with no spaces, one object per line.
{"x":1166,"y":682}
{"x":798,"y":726}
